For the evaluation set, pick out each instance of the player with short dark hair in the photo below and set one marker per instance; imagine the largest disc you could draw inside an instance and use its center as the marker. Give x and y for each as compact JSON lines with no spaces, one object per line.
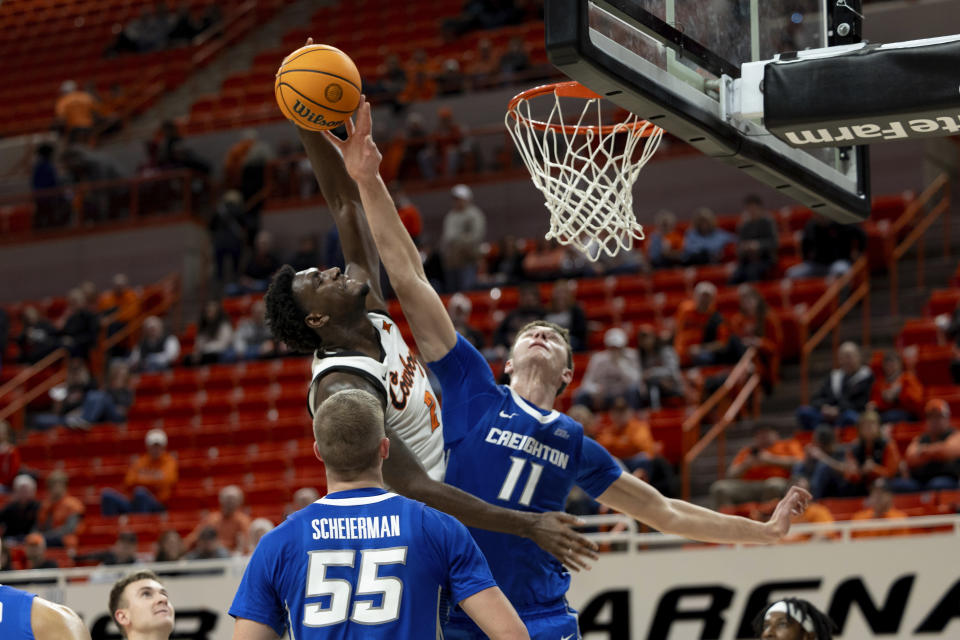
{"x":793,"y":619}
{"x":507,"y":444}
{"x":27,"y":616}
{"x":141,"y":607}
{"x":362,"y":562}
{"x":338,"y":316}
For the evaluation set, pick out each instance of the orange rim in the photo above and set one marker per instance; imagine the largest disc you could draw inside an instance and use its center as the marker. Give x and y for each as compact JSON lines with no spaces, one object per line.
{"x":570,"y":89}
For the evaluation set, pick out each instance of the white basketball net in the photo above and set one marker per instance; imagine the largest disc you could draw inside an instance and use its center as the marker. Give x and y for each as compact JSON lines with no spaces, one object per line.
{"x":586,"y":181}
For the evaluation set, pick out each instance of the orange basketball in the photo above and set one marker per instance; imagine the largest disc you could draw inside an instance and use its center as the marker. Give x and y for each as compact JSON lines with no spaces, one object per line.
{"x":318,"y":87}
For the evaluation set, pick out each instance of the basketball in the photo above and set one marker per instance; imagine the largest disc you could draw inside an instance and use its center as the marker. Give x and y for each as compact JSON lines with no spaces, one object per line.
{"x":317,"y":87}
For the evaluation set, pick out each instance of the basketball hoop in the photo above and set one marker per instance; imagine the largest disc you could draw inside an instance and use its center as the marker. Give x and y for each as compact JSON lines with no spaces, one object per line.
{"x":587,"y":181}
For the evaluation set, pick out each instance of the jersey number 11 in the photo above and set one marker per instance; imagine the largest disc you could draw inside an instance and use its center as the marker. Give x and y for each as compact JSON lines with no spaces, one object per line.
{"x":513,"y":476}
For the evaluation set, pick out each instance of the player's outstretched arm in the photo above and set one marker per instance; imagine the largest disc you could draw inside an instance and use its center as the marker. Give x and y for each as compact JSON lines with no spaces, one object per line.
{"x":422,"y":307}
{"x":638,"y":499}
{"x":55,"y":622}
{"x":494,"y":614}
{"x":245,"y":629}
{"x":342,"y":197}
{"x":403,"y":472}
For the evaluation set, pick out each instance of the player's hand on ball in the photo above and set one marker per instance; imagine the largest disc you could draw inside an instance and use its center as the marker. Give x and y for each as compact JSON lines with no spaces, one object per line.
{"x":360,"y":153}
{"x":792,"y":504}
{"x":553,"y":532}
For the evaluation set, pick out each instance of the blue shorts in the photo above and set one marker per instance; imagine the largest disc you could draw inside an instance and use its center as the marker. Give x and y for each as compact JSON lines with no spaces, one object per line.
{"x":553,"y":626}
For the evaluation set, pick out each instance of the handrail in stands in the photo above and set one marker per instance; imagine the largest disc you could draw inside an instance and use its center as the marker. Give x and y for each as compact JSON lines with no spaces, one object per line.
{"x":14,"y":387}
{"x":940,"y":186}
{"x":690,"y":435}
{"x":235,"y":26}
{"x":718,"y":431}
{"x":858,"y":273}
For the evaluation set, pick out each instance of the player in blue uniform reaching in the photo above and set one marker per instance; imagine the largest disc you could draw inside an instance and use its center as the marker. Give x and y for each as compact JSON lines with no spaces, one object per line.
{"x":26,"y":616}
{"x":363,"y":562}
{"x":505,"y":443}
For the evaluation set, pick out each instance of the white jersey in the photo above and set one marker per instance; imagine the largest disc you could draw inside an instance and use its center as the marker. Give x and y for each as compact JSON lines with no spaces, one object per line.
{"x":412,"y":409}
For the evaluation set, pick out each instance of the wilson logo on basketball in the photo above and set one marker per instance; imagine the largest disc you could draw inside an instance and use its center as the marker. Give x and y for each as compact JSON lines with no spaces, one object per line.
{"x":333,"y":92}
{"x":304,"y":112}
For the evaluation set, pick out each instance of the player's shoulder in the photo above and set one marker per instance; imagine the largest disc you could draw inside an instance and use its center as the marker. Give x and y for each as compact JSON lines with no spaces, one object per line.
{"x":51,"y":620}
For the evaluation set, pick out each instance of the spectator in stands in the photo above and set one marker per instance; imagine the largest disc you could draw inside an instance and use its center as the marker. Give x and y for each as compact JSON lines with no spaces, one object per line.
{"x":546,"y":262}
{"x":76,"y":112}
{"x":759,"y":471}
{"x":231,"y":524}
{"x":111,"y":403}
{"x":949,"y":325}
{"x":898,"y":395}
{"x":118,"y":306}
{"x":829,"y":249}
{"x":628,"y":437}
{"x":529,"y":308}
{"x":515,"y":60}
{"x":484,"y":67}
{"x":872,"y":455}
{"x":169,"y":546}
{"x":307,"y":255}
{"x":123,"y":551}
{"x":757,"y":242}
{"x":60,"y":514}
{"x":156,"y":29}
{"x":9,"y":457}
{"x":81,"y":326}
{"x":259,"y":528}
{"x":665,"y":248}
{"x":612,"y":373}
{"x":702,"y":334}
{"x":459,"y":308}
{"x":756,"y":325}
{"x":38,"y":338}
{"x":260,"y":265}
{"x":157,"y":349}
{"x":184,"y":26}
{"x":704,"y":242}
{"x":253,"y":180}
{"x":933,"y":457}
{"x":214,"y":335}
{"x":228,"y":236}
{"x":823,"y":449}
{"x":51,"y":209}
{"x":879,"y":507}
{"x":67,"y":398}
{"x":104,"y":202}
{"x":564,"y":310}
{"x":408,"y":212}
{"x":302,"y":497}
{"x":464,"y":230}
{"x":450,"y":79}
{"x":660,"y":367}
{"x":843,"y":395}
{"x":208,"y":546}
{"x":128,"y":36}
{"x":393,"y":79}
{"x":253,"y":340}
{"x":149,"y":481}
{"x":447,"y":146}
{"x":19,"y":516}
{"x":35,"y":550}
{"x":507,"y":266}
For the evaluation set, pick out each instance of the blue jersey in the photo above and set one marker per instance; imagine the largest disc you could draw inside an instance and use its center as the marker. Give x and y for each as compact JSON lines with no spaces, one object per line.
{"x":360,"y":564}
{"x":15,"y":610}
{"x":508,"y":452}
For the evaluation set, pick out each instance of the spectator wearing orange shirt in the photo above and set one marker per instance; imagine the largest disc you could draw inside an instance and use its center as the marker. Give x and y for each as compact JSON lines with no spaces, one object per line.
{"x":702,"y":334}
{"x":759,"y":471}
{"x":898,"y":395}
{"x":815,"y":513}
{"x":76,"y":112}
{"x":869,"y":457}
{"x":117,"y":307}
{"x":150,"y":480}
{"x":60,"y":514}
{"x":409,"y":214}
{"x":628,"y":437}
{"x":879,"y":507}
{"x":933,"y":457}
{"x":665,"y":248}
{"x":231,"y":524}
{"x":758,"y":326}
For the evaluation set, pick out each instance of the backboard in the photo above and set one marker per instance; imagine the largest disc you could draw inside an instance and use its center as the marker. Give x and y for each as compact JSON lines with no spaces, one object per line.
{"x":673,"y":61}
